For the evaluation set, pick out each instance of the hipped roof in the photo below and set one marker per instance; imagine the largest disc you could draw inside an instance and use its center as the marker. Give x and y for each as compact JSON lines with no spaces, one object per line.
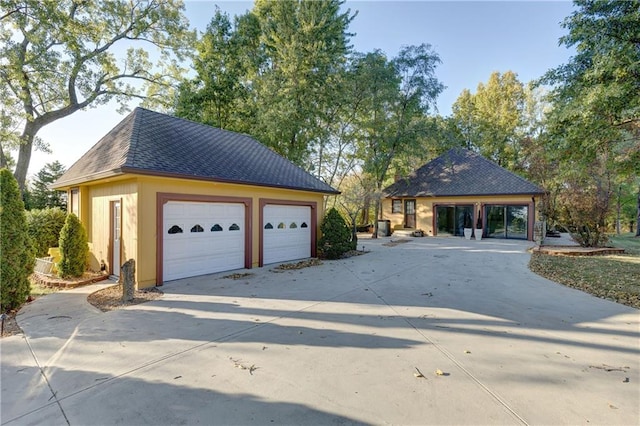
{"x":461,"y":172}
{"x":148,"y":142}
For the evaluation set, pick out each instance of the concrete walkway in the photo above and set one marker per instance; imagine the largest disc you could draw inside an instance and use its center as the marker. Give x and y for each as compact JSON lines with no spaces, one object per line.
{"x":337,"y":343}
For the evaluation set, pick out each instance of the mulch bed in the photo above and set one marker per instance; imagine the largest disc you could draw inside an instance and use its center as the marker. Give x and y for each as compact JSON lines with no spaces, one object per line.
{"x":11,"y":325}
{"x":110,"y":298}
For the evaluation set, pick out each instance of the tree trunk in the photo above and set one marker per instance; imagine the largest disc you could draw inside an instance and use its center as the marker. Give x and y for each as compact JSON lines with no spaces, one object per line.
{"x":638,"y":216}
{"x":364,"y":219}
{"x":618,"y":209}
{"x":3,"y":159}
{"x":24,"y":154}
{"x":375,"y":222}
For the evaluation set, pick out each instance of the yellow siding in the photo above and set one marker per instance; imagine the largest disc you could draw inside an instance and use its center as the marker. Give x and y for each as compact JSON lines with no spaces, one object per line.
{"x":148,"y":187}
{"x":139,"y":209}
{"x":425,"y":208}
{"x":99,"y":198}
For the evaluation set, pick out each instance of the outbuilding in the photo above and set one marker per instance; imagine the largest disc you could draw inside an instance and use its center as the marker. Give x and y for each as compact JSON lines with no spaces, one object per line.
{"x":185,"y":199}
{"x":461,"y":184}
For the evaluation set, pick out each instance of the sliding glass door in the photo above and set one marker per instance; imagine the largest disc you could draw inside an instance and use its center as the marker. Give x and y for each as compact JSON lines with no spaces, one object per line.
{"x":450,"y":219}
{"x":507,"y":221}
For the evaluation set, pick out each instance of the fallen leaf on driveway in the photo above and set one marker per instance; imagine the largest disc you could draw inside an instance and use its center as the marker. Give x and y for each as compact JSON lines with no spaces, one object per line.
{"x":418,"y":373}
{"x":467,"y":352}
{"x":441,"y":373}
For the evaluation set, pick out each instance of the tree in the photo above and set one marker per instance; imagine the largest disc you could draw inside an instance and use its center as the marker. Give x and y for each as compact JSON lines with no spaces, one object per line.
{"x":271,"y":74}
{"x":58,"y":58}
{"x":399,"y":94}
{"x":17,"y":260}
{"x":440,"y":135}
{"x":74,"y":248}
{"x":305,"y":42}
{"x":212,"y":97}
{"x":596,"y":107}
{"x":336,"y":236}
{"x":41,"y":195}
{"x":586,"y":201}
{"x":492,"y":120}
{"x":638,"y":216}
{"x":44,"y":228}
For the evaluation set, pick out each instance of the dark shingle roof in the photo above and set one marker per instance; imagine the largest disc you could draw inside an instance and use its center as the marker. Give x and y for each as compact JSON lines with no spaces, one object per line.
{"x":148,"y":142}
{"x":461,"y":172}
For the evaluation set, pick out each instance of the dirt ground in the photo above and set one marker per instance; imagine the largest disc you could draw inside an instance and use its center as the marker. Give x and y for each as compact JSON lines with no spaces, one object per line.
{"x":110,"y":298}
{"x":10,"y":325}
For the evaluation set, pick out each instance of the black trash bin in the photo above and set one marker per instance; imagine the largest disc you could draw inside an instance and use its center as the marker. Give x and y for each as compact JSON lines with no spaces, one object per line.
{"x":384,"y":228}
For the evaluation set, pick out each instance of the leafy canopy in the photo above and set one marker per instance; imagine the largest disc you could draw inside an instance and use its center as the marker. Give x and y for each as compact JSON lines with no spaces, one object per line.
{"x":60,"y":57}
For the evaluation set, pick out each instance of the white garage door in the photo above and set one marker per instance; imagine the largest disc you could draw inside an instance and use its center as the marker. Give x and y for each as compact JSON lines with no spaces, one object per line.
{"x":202,"y":238}
{"x":286,"y":233}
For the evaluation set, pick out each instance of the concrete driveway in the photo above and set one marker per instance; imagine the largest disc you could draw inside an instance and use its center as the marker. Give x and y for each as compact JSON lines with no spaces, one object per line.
{"x":338,"y":343}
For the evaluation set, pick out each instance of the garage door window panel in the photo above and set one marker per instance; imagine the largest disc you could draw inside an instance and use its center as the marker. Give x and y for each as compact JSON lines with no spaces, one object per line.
{"x":198,"y":252}
{"x":175,"y":229}
{"x":292,"y":238}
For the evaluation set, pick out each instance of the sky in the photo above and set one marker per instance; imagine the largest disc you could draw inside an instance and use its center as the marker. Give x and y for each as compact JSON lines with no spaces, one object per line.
{"x":472,"y":38}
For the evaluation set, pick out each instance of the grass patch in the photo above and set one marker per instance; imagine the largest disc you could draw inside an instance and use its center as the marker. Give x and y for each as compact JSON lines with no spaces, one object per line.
{"x":615,"y":278}
{"x":628,"y":242}
{"x":38,"y":289}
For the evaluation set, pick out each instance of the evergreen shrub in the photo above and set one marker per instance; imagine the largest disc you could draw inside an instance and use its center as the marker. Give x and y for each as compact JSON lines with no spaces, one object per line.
{"x":44,"y":228}
{"x":17,"y":257}
{"x":74,"y":248}
{"x":336,"y":236}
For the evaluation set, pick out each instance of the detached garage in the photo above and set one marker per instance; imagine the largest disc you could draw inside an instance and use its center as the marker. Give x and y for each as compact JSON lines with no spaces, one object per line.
{"x":184,"y":199}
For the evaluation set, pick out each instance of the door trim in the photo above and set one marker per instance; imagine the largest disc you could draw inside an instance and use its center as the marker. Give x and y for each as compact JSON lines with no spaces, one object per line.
{"x":313,"y":226}
{"x":163,"y":198}
{"x":111,"y":253}
{"x":415,"y":207}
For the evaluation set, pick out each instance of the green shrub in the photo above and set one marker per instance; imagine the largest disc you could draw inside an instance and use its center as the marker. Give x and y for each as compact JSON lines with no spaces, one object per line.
{"x":336,"y":236}
{"x":17,"y":257}
{"x":73,"y":248}
{"x":44,"y":228}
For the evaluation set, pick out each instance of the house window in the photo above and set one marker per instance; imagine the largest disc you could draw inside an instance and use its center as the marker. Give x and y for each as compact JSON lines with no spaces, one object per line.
{"x":304,"y":225}
{"x":197,"y":228}
{"x":268,"y":226}
{"x":75,"y":201}
{"x":293,"y":225}
{"x":281,"y":225}
{"x":216,"y":228}
{"x":234,"y":227}
{"x":396,"y":206}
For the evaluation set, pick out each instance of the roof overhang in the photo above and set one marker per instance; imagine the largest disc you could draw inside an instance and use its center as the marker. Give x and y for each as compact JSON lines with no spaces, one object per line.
{"x":124,"y":172}
{"x":84,"y":180}
{"x":465,"y":195}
